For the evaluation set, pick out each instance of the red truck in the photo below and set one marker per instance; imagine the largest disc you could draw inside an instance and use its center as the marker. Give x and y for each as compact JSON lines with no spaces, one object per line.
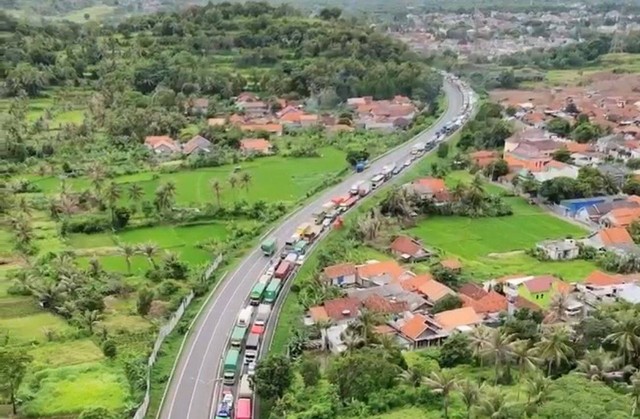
{"x":243,"y":409}
{"x":283,"y":270}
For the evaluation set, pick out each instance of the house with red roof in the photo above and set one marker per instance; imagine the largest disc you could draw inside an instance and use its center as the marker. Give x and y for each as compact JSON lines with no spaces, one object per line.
{"x":430,"y":188}
{"x":255,"y":146}
{"x":537,"y":289}
{"x":380,"y":273}
{"x":483,"y":158}
{"x":271,"y":128}
{"x":162,"y":144}
{"x":341,"y":275}
{"x":421,"y":331}
{"x":408,"y":249}
{"x":612,"y":238}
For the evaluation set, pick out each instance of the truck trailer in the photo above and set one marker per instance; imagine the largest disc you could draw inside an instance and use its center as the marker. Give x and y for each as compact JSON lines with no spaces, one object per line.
{"x":244,"y":390}
{"x":243,"y":409}
{"x":237,"y":335}
{"x":283,"y":270}
{"x":271,"y":294}
{"x":231,"y":363}
{"x":269,"y":246}
{"x":364,"y":188}
{"x":244,"y":318}
{"x":263,"y":314}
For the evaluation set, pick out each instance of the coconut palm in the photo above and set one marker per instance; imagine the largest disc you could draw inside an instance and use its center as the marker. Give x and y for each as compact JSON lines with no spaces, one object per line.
{"x":470,"y":393}
{"x":216,"y":186}
{"x":554,"y":348}
{"x":233,"y":182}
{"x":67,"y":204}
{"x":499,"y":349}
{"x":626,"y":336}
{"x":524,"y":356}
{"x":536,"y":387}
{"x":493,"y":404}
{"x":442,"y":382}
{"x":413,"y":376}
{"x":397,"y":203}
{"x":595,"y":365}
{"x":558,"y":308}
{"x":128,"y":251}
{"x":96,"y":174}
{"x":478,"y":340}
{"x":635,"y":393}
{"x":150,"y":250}
{"x":477,"y":184}
{"x":135,"y":192}
{"x":89,"y":318}
{"x":245,"y":180}
{"x":458,"y":191}
{"x":351,"y":340}
{"x":363,"y":326}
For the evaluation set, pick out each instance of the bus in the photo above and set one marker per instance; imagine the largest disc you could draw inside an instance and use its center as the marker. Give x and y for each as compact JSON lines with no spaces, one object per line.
{"x":231,"y":363}
{"x":243,"y":409}
{"x":238,"y":334}
{"x":271,"y":294}
{"x":256,"y":293}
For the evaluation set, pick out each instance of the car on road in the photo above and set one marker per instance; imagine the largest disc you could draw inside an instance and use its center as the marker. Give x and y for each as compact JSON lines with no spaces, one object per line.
{"x":397,"y":169}
{"x":326,"y":222}
{"x":251,"y":368}
{"x":408,"y":163}
{"x":300,"y":260}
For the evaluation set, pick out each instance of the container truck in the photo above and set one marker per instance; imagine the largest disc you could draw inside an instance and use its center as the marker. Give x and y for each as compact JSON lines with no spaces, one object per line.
{"x":302,"y":229}
{"x":243,"y":409}
{"x":291,"y":241}
{"x":244,"y":318}
{"x":266,"y":277}
{"x":377,"y":180}
{"x":263,"y":314}
{"x":283,"y":270}
{"x":364,"y":188}
{"x":251,"y":348}
{"x":244,"y":390}
{"x":417,"y":148}
{"x":387,"y":171}
{"x":231,"y":366}
{"x":349,"y":202}
{"x":271,"y":294}
{"x":237,"y":335}
{"x":256,"y":293}
{"x":292,"y":257}
{"x":300,"y":248}
{"x":269,"y":246}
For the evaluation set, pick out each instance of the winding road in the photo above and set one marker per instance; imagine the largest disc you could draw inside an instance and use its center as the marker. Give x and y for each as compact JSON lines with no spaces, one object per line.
{"x":196,"y":377}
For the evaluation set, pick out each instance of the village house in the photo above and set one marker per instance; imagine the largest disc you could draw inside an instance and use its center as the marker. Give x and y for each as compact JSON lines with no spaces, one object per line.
{"x":555,"y":169}
{"x":197,"y":144}
{"x":617,"y":173}
{"x":483,"y":158}
{"x":564,"y":249}
{"x":593,"y":213}
{"x":486,"y":303}
{"x":459,"y":320}
{"x":255,"y":146}
{"x":341,"y":275}
{"x":162,"y":144}
{"x":530,"y":135}
{"x":602,"y":287}
{"x":435,"y":291}
{"x":381,"y":273}
{"x":612,"y":238}
{"x":620,"y":217}
{"x":537,"y":289}
{"x":408,"y":250}
{"x":421,"y":331}
{"x":451,"y":264}
{"x":339,"y":310}
{"x":430,"y":188}
{"x":391,"y":298}
{"x":275,"y":129}
{"x":571,"y":207}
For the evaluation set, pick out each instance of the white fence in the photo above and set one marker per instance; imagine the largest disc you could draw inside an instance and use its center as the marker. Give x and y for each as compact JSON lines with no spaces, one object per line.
{"x":163,"y":333}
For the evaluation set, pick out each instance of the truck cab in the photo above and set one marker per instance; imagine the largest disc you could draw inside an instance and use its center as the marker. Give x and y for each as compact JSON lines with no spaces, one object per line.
{"x":269,"y":246}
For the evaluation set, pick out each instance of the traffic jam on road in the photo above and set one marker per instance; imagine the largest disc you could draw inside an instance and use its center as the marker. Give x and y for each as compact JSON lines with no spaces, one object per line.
{"x":237,"y":397}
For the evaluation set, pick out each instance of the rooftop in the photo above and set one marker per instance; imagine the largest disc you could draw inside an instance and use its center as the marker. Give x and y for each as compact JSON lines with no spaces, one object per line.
{"x":615,"y":236}
{"x":540,"y":283}
{"x":452,"y":319}
{"x":435,"y":290}
{"x":406,"y":245}
{"x":342,"y":308}
{"x":453,"y":264}
{"x":374,"y":269}
{"x":342,"y":269}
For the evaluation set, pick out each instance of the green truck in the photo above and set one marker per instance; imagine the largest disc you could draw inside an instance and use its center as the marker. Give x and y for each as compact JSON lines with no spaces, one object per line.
{"x":256,"y":293}
{"x":269,"y":246}
{"x":272,"y":291}
{"x":300,"y":247}
{"x":231,"y":366}
{"x":238,"y":334}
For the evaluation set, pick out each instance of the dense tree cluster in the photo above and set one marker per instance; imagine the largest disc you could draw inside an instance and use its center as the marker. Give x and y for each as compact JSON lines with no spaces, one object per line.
{"x":590,"y":182}
{"x":487,"y":130}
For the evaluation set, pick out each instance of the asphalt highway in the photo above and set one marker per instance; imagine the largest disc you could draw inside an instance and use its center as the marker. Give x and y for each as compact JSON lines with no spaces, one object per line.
{"x":197,"y":375}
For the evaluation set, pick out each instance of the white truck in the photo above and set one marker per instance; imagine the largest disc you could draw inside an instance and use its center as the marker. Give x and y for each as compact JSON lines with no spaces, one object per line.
{"x":387,"y":171}
{"x":364,"y":188}
{"x":244,"y":318}
{"x":417,"y":148}
{"x":263,"y":314}
{"x":244,"y":389}
{"x":377,"y":180}
{"x":355,"y":188}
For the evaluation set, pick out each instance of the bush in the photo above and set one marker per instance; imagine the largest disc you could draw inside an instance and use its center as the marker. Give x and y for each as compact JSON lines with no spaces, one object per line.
{"x":109,"y":348}
{"x":87,"y":225}
{"x":145,"y":298}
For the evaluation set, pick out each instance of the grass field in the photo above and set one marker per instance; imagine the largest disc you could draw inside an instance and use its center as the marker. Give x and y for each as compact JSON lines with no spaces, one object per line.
{"x":95,"y":13}
{"x":37,"y":107}
{"x":57,"y":354}
{"x":71,"y":389}
{"x":32,"y":328}
{"x":485,"y":245}
{"x":272,"y":179}
{"x":619,"y":63}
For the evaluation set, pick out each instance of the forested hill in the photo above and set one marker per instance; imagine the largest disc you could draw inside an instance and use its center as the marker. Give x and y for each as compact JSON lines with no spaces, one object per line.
{"x":216,"y":49}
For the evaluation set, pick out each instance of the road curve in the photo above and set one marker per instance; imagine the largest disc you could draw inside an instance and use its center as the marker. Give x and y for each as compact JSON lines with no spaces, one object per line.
{"x":196,"y":376}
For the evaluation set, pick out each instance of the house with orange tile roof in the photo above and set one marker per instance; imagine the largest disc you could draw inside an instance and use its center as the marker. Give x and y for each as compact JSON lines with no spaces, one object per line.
{"x":342,"y":309}
{"x":620,"y":217}
{"x":483,"y":158}
{"x":380,"y":273}
{"x":429,"y":187}
{"x":397,"y":297}
{"x":452,"y":264}
{"x":216,"y":122}
{"x":340,"y":275}
{"x":490,"y":304}
{"x":413,"y":283}
{"x":591,"y":214}
{"x":161,"y":144}
{"x":537,"y":289}
{"x":435,"y":291}
{"x":275,"y":129}
{"x":408,"y":249}
{"x":255,"y":146}
{"x":421,"y":331}
{"x":612,"y":238}
{"x":601,"y":287}
{"x":459,"y":319}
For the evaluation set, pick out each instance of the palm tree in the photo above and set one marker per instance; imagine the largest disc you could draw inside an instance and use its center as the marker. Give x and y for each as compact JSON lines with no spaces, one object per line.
{"x":442,"y":382}
{"x":135,"y":192}
{"x":478,"y":340}
{"x":536,"y":387}
{"x":493,"y":404}
{"x":558,"y":308}
{"x":626,"y":336}
{"x":458,"y":191}
{"x":150,"y":250}
{"x":363,"y":326}
{"x":128,"y":251}
{"x":524,"y":357}
{"x":170,"y":190}
{"x":216,"y":186}
{"x":89,"y":318}
{"x":554,"y":348}
{"x":477,"y":184}
{"x":97,"y":175}
{"x":245,"y":180}
{"x":113,"y":195}
{"x":324,"y":325}
{"x":413,"y":376}
{"x":470,"y":392}
{"x":499,"y":348}
{"x":635,"y":392}
{"x":595,"y":365}
{"x":233,"y":182}
{"x":351,"y":340}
